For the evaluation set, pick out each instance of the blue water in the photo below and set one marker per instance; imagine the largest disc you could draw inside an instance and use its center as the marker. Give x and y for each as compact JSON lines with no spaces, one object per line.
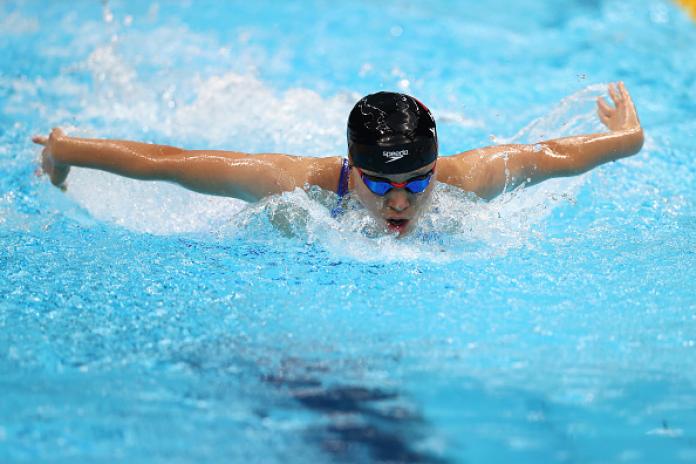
{"x":143,"y":323}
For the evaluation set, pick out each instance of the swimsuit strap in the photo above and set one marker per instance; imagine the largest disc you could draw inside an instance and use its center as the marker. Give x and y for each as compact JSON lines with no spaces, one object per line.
{"x":343,"y":179}
{"x":342,"y":189}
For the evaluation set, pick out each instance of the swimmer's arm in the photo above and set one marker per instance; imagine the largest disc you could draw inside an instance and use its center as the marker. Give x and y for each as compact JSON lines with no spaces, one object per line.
{"x":225,"y":173}
{"x":492,"y":170}
{"x":247,"y":177}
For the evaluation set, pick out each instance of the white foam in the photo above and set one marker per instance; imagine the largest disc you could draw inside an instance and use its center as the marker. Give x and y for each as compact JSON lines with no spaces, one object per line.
{"x":154,"y":207}
{"x":575,"y":114}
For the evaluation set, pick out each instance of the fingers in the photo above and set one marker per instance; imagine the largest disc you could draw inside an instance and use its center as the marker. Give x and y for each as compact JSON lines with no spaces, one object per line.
{"x":56,"y":132}
{"x":615,"y":95}
{"x":630,"y":107}
{"x":623,"y":116}
{"x":59,"y":175}
{"x":603,"y":117}
{"x":56,"y":173}
{"x":625,"y":96}
{"x":623,"y":91}
{"x":40,"y":139}
{"x":603,"y":108}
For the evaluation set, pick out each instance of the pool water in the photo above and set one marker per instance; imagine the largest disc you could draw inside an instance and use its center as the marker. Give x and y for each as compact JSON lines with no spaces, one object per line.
{"x":143,"y":323}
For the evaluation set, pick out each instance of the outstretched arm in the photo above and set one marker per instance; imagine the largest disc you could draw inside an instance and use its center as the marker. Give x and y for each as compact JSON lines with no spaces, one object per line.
{"x":492,"y":170}
{"x":233,"y":174}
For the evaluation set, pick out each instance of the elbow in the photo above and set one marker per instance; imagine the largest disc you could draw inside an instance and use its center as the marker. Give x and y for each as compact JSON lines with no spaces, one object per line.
{"x":631,"y":142}
{"x":635,"y":139}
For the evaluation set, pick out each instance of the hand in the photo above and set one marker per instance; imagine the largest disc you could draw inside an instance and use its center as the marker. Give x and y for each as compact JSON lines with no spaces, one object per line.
{"x":55,"y":170}
{"x":623,"y":116}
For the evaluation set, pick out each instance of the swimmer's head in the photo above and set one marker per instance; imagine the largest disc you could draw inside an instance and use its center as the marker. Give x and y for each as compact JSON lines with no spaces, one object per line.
{"x":391,"y":133}
{"x":392,"y":145}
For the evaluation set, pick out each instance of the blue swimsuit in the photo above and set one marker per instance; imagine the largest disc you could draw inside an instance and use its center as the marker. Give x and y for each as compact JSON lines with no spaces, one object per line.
{"x":342,"y":189}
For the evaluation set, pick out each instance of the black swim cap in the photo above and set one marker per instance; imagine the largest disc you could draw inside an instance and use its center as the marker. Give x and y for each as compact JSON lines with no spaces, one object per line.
{"x":391,"y":133}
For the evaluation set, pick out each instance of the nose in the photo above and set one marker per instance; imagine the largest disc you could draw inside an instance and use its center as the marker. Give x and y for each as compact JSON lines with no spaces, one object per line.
{"x":398,"y":200}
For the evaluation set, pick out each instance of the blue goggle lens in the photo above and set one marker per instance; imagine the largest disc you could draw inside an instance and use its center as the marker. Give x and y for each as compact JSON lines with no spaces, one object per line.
{"x":382,"y":187}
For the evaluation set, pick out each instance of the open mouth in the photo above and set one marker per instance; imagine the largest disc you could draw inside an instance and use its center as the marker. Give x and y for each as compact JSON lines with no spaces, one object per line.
{"x":397,"y":225}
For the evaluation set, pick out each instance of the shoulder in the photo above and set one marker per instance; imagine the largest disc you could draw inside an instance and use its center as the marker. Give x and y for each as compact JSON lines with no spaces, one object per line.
{"x":485,"y":171}
{"x":463,"y":170}
{"x":324,"y":172}
{"x":474,"y":171}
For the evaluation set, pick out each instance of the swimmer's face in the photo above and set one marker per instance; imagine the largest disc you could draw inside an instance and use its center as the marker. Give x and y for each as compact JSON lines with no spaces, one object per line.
{"x":398,"y":210}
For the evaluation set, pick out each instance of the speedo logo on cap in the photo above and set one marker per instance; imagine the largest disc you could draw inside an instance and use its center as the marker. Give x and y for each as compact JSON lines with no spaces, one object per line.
{"x":394,"y":155}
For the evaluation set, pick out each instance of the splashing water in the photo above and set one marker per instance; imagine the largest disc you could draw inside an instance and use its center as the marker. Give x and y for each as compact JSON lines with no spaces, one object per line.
{"x":239,"y":111}
{"x":300,"y":119}
{"x":143,"y":321}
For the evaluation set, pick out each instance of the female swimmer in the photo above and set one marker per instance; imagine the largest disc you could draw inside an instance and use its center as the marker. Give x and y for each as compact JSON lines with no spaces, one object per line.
{"x":392,"y":163}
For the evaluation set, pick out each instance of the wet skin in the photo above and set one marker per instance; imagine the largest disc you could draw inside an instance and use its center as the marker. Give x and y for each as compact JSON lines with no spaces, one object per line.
{"x":486,"y":172}
{"x":399,"y":210}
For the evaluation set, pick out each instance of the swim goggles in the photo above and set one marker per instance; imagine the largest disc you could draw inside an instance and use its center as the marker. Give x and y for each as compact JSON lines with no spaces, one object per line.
{"x":380,"y":186}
